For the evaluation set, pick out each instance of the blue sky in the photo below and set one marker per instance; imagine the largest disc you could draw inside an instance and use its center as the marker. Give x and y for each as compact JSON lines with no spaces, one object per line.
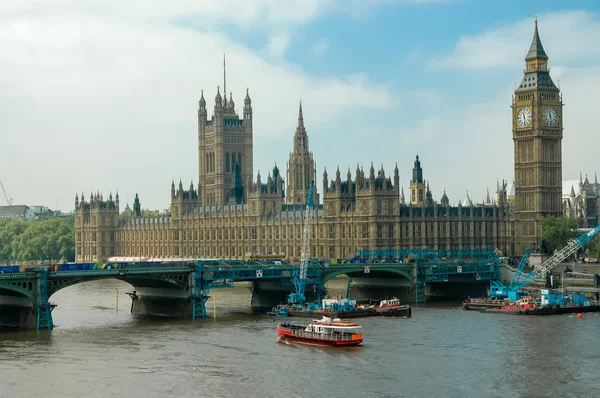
{"x":102,"y":95}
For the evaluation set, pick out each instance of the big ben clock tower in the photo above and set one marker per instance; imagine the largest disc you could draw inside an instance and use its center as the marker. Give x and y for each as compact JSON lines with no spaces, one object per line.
{"x":537,"y":136}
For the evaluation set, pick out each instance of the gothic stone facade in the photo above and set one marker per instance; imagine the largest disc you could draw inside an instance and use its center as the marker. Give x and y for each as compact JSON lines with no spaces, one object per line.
{"x":230,"y":213}
{"x":537,"y":135}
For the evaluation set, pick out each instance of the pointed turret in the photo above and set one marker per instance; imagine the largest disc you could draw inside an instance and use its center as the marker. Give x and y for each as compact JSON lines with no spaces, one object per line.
{"x":537,"y":74}
{"x":300,"y":137}
{"x":202,"y":102}
{"x":572,"y":193}
{"x":218,"y":102}
{"x":402,"y":198}
{"x":488,"y":200}
{"x":444,"y":201}
{"x":536,"y":50}
{"x":137,"y":208}
{"x":247,"y":106}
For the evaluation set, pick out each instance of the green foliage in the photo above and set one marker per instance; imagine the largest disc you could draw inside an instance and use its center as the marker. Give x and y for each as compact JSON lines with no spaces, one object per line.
{"x":127,"y":214}
{"x":595,"y":249}
{"x":511,"y":201}
{"x":51,"y":239}
{"x":557,"y":231}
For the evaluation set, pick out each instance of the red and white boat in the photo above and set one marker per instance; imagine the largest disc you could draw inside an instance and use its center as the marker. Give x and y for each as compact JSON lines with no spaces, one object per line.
{"x":324,"y":332}
{"x":523,"y":306}
{"x":391,"y":307}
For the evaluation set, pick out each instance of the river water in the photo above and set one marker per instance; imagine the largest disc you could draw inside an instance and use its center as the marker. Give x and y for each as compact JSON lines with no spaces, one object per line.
{"x":442,"y":351}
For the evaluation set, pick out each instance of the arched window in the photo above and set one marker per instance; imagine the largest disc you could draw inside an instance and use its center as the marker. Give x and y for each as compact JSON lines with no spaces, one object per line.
{"x":207,"y":156}
{"x":227,"y":162}
{"x":233,"y":161}
{"x":240,"y":161}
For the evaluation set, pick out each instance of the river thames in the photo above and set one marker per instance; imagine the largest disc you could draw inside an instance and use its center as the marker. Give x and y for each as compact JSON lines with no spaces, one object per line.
{"x":442,"y":351}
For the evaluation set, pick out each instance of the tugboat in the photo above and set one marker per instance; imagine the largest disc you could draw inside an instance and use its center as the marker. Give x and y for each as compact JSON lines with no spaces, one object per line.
{"x":325,"y":332}
{"x":525,"y":305}
{"x":391,"y":307}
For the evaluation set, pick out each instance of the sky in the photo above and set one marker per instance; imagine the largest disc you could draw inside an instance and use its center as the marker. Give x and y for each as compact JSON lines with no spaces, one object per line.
{"x":103,"y":95}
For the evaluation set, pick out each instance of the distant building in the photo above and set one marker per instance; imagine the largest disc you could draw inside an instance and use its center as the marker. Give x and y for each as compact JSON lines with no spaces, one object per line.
{"x":19,"y":212}
{"x":231,"y":213}
{"x":582,"y":203}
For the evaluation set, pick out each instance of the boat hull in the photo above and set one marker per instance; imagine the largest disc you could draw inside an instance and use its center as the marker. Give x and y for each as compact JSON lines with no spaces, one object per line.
{"x":403,"y":310}
{"x":546,"y":310}
{"x":287,"y":335}
{"x":332,"y":314}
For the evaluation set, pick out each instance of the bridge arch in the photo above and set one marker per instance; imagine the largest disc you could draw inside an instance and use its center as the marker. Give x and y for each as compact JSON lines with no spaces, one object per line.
{"x":26,"y":287}
{"x":329,"y":275}
{"x":179,"y":281}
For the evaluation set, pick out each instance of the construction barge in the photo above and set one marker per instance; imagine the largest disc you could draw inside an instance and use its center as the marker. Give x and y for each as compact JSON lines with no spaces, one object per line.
{"x":343,"y":309}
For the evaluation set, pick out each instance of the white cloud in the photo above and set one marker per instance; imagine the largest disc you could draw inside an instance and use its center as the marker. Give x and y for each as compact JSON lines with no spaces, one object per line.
{"x":320,"y":46}
{"x":277,"y":44}
{"x":566,"y":36}
{"x":108,"y":103}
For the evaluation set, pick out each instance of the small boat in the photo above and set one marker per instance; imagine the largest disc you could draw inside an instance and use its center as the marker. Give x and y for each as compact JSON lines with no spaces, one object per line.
{"x":325,"y":332}
{"x":525,"y":305}
{"x":280,"y":310}
{"x":392,"y":307}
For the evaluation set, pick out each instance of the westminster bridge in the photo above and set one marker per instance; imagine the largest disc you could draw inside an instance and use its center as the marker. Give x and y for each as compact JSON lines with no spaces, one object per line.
{"x":180,"y":288}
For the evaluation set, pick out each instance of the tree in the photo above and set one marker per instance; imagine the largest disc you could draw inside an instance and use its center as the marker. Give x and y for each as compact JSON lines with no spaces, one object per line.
{"x":128,"y":214}
{"x":557,"y":231}
{"x":50,"y":239}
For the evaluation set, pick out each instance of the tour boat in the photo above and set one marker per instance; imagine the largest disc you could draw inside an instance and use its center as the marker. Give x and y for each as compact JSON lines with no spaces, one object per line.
{"x":392,"y":307}
{"x":325,"y":332}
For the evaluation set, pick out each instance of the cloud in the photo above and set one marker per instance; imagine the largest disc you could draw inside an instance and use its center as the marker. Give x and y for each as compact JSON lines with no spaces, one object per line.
{"x":277,"y":44}
{"x":567,"y":37}
{"x":320,"y":46}
{"x":256,"y":13}
{"x":96,"y":101}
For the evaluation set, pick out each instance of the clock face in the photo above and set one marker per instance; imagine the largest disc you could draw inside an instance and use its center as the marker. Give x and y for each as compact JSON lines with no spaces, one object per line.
{"x":524,"y":117}
{"x":550,"y":116}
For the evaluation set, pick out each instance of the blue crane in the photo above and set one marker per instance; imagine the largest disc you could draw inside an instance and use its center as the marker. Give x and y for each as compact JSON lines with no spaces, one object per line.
{"x":299,"y":297}
{"x":520,"y":280}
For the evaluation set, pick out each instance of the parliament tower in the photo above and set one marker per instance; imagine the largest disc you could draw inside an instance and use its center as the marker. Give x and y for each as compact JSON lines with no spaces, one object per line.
{"x":537,"y":136}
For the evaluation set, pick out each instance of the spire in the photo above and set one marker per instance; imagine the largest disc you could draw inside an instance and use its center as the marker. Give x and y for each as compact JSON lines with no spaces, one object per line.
{"x":202,"y":102}
{"x":417,"y":171}
{"x":218,"y":96}
{"x":536,"y":51}
{"x":572,"y":194}
{"x":300,"y":137}
{"x":488,"y":200}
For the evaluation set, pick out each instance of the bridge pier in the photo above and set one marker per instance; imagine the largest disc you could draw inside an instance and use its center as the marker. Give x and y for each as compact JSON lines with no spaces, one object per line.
{"x":17,"y":313}
{"x":161,"y":302}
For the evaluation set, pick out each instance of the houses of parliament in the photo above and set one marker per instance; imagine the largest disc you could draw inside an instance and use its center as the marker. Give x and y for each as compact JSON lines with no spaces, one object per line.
{"x":232,"y":212}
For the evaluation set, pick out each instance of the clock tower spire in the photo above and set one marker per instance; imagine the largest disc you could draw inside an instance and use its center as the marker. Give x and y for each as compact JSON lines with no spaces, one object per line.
{"x":537,"y":137}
